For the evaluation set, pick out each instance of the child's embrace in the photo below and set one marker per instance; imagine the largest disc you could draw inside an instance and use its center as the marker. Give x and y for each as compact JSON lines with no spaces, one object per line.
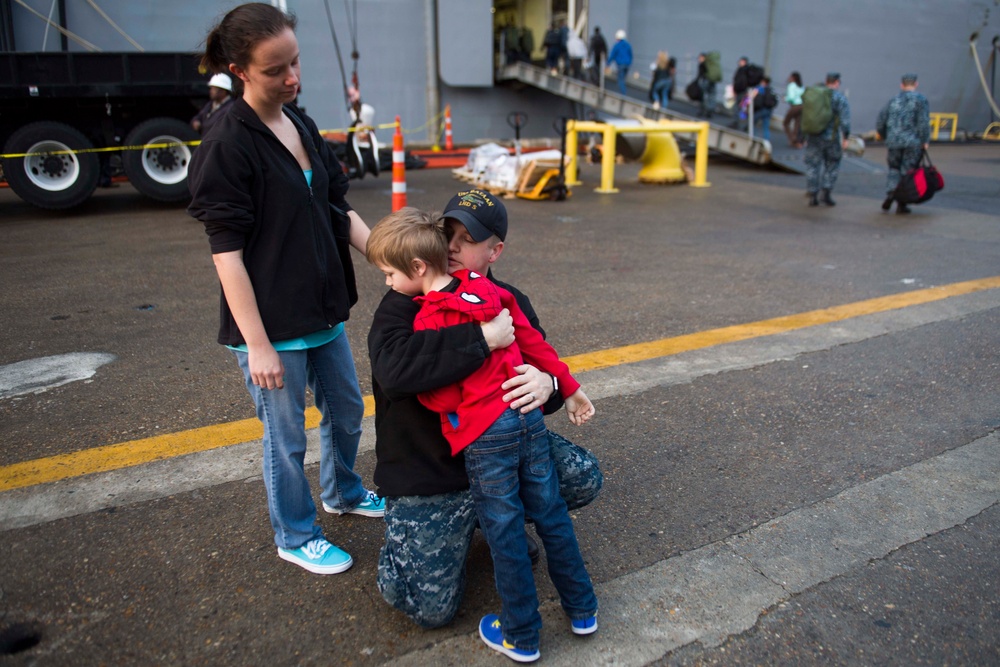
{"x":506,"y":452}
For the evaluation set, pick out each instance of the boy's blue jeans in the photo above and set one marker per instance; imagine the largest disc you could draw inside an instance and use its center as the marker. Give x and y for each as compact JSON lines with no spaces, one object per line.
{"x":329,"y":372}
{"x":511,"y":475}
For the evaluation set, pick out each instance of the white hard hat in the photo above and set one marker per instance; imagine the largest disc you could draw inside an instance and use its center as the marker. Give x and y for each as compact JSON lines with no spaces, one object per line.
{"x":620,"y":34}
{"x":221,"y":80}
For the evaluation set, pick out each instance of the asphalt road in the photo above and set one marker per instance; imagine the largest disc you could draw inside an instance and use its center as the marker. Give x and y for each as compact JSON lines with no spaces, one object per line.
{"x":821,"y":495}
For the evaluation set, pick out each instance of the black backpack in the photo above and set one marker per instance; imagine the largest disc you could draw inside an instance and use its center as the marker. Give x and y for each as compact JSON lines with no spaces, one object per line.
{"x":754,"y":74}
{"x":765,"y":100}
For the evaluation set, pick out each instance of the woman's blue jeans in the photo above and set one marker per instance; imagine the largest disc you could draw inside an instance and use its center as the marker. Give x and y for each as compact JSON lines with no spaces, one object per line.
{"x":511,"y":474}
{"x":329,"y":372}
{"x":661,"y":92}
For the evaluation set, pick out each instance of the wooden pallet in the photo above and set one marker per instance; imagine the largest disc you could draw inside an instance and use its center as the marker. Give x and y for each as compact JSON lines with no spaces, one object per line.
{"x":530,"y":172}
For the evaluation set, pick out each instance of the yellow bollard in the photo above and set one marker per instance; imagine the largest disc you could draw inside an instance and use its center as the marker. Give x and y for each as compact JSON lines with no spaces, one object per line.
{"x":661,"y":160}
{"x":572,"y":153}
{"x":608,"y":162}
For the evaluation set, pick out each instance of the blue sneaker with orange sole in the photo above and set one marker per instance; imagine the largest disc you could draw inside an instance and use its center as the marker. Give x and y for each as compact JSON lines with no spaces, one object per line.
{"x":492,"y":635}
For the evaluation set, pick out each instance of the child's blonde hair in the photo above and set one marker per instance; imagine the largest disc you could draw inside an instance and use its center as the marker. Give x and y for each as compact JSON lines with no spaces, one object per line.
{"x":406,"y":235}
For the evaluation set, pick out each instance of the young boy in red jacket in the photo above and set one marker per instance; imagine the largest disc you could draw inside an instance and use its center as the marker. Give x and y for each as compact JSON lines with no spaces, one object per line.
{"x":506,"y":453}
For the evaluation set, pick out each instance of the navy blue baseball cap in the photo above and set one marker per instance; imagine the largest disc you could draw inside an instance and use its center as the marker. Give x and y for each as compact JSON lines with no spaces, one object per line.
{"x":483,"y":214}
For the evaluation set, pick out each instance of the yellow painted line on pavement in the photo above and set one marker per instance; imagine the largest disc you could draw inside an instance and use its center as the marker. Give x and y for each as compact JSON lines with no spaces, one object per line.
{"x":137,"y":452}
{"x":696,"y":341}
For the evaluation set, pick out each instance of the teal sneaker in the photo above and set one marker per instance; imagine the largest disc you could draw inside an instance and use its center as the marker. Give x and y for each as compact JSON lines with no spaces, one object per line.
{"x":372,"y":505}
{"x":583,"y":626}
{"x":318,"y":556}
{"x":492,"y":635}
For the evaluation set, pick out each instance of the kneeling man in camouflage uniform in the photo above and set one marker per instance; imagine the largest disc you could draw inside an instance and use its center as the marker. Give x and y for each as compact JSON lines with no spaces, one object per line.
{"x":429,"y":514}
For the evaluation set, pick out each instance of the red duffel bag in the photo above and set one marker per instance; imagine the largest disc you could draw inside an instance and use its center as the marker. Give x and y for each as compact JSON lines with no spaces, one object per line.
{"x":919,"y":184}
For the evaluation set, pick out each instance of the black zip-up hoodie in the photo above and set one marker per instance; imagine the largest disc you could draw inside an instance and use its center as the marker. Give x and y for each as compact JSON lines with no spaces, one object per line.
{"x":251,"y":195}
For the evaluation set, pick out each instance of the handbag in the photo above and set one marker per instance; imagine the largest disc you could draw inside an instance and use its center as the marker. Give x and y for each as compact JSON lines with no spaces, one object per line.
{"x":694,"y":91}
{"x":920,"y":183}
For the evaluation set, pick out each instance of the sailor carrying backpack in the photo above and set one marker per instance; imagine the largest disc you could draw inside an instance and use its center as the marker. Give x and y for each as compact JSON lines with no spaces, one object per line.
{"x":713,"y":66}
{"x":817,"y":109}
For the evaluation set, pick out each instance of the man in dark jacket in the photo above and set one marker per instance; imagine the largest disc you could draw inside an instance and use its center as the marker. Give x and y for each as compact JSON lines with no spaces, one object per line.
{"x":553,"y":43}
{"x":220,"y":98}
{"x":430,"y":517}
{"x":598,"y":50}
{"x":741,"y":86}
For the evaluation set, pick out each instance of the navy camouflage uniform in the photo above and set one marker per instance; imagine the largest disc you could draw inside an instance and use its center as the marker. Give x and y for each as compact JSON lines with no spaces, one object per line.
{"x":905,"y":124}
{"x":824,"y":151}
{"x":433,"y":534}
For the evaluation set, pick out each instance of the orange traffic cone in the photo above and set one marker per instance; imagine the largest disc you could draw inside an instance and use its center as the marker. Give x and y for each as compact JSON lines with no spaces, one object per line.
{"x":398,"y":169}
{"x":448,"y":144}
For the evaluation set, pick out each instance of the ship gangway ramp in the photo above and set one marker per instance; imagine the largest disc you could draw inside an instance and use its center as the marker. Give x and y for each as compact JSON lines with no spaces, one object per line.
{"x":721,"y":139}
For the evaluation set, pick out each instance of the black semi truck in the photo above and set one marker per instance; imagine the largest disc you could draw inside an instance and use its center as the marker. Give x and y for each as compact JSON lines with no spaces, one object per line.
{"x":67,"y":120}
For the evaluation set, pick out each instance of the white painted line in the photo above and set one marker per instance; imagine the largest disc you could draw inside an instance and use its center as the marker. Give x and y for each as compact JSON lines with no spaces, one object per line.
{"x":721,"y":589}
{"x":33,"y":376}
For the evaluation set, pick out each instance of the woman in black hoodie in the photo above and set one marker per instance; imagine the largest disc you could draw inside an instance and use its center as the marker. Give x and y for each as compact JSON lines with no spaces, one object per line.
{"x":271,"y":196}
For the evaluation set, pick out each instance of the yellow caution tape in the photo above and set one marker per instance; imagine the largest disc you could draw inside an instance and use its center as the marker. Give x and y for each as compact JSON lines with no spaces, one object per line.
{"x":114,"y":149}
{"x":108,"y":149}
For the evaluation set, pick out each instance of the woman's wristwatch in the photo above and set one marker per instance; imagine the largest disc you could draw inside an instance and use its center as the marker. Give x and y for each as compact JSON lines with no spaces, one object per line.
{"x":555,"y":384}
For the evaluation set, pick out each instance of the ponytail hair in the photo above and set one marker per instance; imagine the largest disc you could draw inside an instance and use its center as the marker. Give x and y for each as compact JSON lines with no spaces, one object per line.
{"x":238,"y":33}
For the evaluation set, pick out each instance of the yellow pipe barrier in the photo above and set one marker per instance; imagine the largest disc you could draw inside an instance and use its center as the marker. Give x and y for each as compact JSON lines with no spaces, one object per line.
{"x":938,"y":119}
{"x":610,"y":133}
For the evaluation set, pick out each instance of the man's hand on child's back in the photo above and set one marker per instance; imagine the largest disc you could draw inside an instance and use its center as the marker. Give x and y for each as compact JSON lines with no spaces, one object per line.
{"x":499,"y":332}
{"x":579,"y":407}
{"x":529,"y":390}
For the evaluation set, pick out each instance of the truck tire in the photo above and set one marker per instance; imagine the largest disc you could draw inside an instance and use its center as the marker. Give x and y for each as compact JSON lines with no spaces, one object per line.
{"x":157,"y":171}
{"x":53,"y":181}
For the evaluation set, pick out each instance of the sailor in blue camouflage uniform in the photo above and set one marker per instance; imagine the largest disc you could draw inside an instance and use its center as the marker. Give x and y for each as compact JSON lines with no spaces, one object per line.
{"x":825,"y":150}
{"x":905,"y":125}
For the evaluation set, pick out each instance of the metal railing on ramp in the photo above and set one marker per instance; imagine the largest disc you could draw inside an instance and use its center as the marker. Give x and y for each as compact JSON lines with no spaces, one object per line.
{"x":720,"y":139}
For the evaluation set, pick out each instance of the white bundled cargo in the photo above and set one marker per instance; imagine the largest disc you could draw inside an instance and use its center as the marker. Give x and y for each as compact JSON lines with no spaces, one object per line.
{"x":479,"y":159}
